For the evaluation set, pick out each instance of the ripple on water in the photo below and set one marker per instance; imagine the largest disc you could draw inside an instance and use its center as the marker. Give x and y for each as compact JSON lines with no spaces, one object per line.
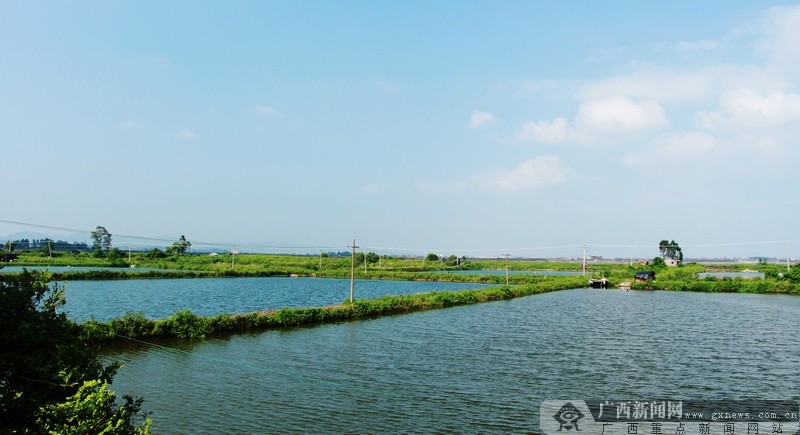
{"x":480,"y":368}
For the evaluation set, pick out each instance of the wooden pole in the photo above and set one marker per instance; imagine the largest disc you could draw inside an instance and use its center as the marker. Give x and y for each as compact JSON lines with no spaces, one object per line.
{"x":353,"y":271}
{"x":506,"y":270}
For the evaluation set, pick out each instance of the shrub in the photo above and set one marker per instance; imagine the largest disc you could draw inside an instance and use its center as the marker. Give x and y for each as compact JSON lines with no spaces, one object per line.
{"x":184,"y":324}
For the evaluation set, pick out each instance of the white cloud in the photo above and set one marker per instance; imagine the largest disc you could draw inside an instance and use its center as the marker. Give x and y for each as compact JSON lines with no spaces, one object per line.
{"x":687,"y":146}
{"x":661,"y":84}
{"x":265,"y":111}
{"x":620,"y":115}
{"x":533,"y":173}
{"x":480,"y":118}
{"x":545,"y":131}
{"x":742,"y":108}
{"x":669,"y":85}
{"x":781,"y":28}
{"x":188,"y":134}
{"x":598,"y":120}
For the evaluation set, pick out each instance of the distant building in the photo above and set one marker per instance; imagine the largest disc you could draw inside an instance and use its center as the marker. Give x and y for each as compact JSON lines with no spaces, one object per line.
{"x":671,"y":262}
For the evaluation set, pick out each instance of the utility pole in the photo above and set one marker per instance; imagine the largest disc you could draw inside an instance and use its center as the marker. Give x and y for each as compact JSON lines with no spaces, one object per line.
{"x":584,"y":260}
{"x":353,"y":271}
{"x":50,"y":248}
{"x":788,"y":254}
{"x":129,"y":253}
{"x":320,"y":260}
{"x":506,"y":255}
{"x":233,"y":257}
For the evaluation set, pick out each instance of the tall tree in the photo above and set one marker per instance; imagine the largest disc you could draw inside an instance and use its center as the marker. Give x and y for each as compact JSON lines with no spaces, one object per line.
{"x":101,"y":240}
{"x":670,"y":250}
{"x":183,"y":245}
{"x":180,"y":247}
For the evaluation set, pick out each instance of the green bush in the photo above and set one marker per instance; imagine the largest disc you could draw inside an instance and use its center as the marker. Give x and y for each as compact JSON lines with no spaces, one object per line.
{"x":184,"y":324}
{"x":133,"y":325}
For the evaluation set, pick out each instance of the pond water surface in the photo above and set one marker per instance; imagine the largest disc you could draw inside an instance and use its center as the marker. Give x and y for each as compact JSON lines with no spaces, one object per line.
{"x":158,"y":298}
{"x":472,"y":369}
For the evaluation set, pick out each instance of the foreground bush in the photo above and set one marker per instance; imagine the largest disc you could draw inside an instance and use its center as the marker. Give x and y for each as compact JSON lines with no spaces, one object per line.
{"x":51,"y":382}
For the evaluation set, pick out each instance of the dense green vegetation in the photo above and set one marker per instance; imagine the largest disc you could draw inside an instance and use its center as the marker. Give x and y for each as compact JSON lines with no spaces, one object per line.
{"x":51,"y":381}
{"x":776,"y":280}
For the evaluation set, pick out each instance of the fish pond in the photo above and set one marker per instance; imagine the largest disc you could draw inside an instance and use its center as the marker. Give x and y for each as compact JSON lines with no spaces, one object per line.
{"x":159,"y":298}
{"x":471,"y":369}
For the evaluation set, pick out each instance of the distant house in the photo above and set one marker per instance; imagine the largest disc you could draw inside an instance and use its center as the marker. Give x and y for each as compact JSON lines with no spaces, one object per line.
{"x":671,"y":262}
{"x":647,"y":275}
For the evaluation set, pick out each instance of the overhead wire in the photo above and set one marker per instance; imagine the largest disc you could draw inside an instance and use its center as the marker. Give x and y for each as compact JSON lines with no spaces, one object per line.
{"x":144,"y":241}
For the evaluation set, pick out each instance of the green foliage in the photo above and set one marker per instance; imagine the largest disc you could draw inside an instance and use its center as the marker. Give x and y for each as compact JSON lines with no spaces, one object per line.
{"x":780,"y":273}
{"x":359,"y":258}
{"x":793,"y":275}
{"x":117,"y":258}
{"x":101,"y":241}
{"x":671,"y":250}
{"x":115,"y":254}
{"x":721,"y":285}
{"x":93,"y":410}
{"x":43,"y":360}
{"x":182,"y":245}
{"x":658,"y":263}
{"x":432,"y":257}
{"x":155,"y":254}
{"x":687,"y":272}
{"x":184,"y":324}
{"x":132,"y":325}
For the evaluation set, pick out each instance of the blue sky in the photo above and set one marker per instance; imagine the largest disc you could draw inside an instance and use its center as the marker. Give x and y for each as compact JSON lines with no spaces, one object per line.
{"x":465,"y":127}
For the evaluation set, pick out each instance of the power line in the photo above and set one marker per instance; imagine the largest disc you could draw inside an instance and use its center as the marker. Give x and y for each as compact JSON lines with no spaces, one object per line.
{"x":155,"y":241}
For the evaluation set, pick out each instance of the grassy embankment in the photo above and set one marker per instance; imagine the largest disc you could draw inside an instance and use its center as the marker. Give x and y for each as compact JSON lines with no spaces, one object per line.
{"x":254,"y":265}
